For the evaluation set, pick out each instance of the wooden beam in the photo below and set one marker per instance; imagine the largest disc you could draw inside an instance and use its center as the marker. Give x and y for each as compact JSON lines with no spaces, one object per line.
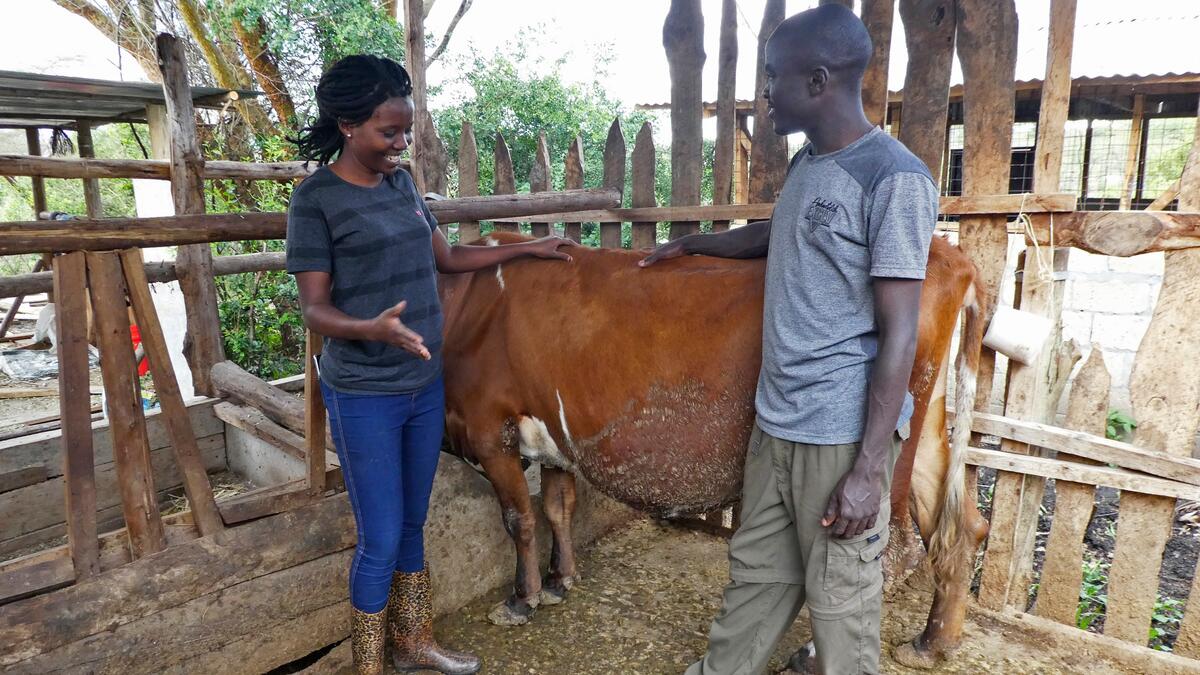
{"x":539,"y":179}
{"x":726,"y":111}
{"x":22,"y":477}
{"x":929,"y":27}
{"x":1056,"y":97}
{"x":503,"y":180}
{"x":769,"y":151}
{"x":1165,"y":198}
{"x":683,"y":40}
{"x":15,"y":307}
{"x":231,"y":380}
{"x":117,"y":233}
{"x":70,"y":281}
{"x":268,"y":502}
{"x":131,"y":451}
{"x":183,"y":440}
{"x":203,"y":345}
{"x":1121,"y":233}
{"x":877,"y":15}
{"x":38,"y":184}
{"x":1136,"y":129}
{"x":573,"y":180}
{"x":614,"y":179}
{"x":645,"y":232}
{"x":174,"y":577}
{"x":91,"y":186}
{"x":314,"y":415}
{"x":1081,"y":473}
{"x":468,"y":179}
{"x":150,"y":169}
{"x":258,"y":425}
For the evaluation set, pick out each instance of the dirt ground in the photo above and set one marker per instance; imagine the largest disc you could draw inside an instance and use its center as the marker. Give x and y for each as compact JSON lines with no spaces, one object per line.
{"x":649,"y":593}
{"x":15,"y":413}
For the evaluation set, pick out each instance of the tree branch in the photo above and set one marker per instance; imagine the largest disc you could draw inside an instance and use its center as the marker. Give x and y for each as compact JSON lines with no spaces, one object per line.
{"x":462,"y":9}
{"x":265,"y":67}
{"x":122,"y":34}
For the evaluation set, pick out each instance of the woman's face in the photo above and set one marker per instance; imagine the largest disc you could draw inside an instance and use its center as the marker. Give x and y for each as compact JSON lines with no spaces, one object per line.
{"x":378,"y":143}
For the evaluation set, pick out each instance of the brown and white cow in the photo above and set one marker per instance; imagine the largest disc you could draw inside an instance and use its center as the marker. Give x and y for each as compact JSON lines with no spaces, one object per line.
{"x":642,"y":381}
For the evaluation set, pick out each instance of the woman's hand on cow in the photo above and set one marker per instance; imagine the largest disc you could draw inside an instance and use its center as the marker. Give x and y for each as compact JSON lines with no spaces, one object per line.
{"x":388,"y":328}
{"x":671,"y":249}
{"x":549,"y":247}
{"x":854,"y":505}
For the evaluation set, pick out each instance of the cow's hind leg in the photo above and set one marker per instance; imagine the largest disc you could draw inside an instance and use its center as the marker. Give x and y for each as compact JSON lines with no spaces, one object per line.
{"x":558,"y":500}
{"x":516,"y":512}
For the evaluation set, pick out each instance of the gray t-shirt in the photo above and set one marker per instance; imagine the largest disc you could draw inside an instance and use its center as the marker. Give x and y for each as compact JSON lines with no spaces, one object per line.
{"x":867,"y":210}
{"x":376,"y":243}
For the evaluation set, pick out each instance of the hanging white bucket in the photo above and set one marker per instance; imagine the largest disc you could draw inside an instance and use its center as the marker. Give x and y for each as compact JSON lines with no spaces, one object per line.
{"x":1018,"y":335}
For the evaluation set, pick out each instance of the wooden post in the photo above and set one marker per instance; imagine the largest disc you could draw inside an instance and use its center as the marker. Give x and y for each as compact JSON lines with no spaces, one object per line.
{"x":573,"y":180}
{"x":683,"y":39}
{"x":1062,"y":572}
{"x":414,"y":57}
{"x":929,"y":27}
{"x":91,"y":186}
{"x":1056,"y":97}
{"x":34,"y":145}
{"x":614,"y":178}
{"x":539,"y":180}
{"x":769,"y":151}
{"x":11,"y":314}
{"x":1165,"y":393}
{"x":468,"y":179}
{"x":726,"y":110}
{"x":203,"y":345}
{"x":741,"y":173}
{"x":877,"y":15}
{"x":70,"y":282}
{"x":187,"y":453}
{"x":503,"y":181}
{"x":314,"y":416}
{"x":645,"y":234}
{"x":131,"y":449}
{"x":1138,"y":120}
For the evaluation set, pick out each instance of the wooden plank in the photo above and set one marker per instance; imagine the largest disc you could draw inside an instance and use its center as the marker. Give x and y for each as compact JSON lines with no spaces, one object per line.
{"x":1120,"y":479}
{"x":929,"y":27}
{"x":15,"y":307}
{"x":256,"y":424}
{"x":726,"y":111}
{"x":276,"y":404}
{"x":176,"y":576}
{"x":468,"y":179}
{"x":314,"y":416}
{"x":877,"y":15}
{"x":573,"y":179}
{"x":1163,"y":200}
{"x":1138,"y":119}
{"x":1165,"y":393}
{"x":25,"y":476}
{"x":614,"y":179}
{"x":769,"y":151}
{"x":204,"y":345}
{"x":91,"y":186}
{"x":683,"y":40}
{"x":1056,"y":97}
{"x":1123,"y":233}
{"x":267,"y":501}
{"x":1062,"y":571}
{"x":644,"y":233}
{"x":70,"y":281}
{"x":187,"y":454}
{"x":539,"y":179}
{"x":149,"y":169}
{"x":503,"y":180}
{"x":131,"y":450}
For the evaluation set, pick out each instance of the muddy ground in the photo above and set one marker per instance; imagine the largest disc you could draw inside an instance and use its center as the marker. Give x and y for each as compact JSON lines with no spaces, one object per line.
{"x":649,"y":593}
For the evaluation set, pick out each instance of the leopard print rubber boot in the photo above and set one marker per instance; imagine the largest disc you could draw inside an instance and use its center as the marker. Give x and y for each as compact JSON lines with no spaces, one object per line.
{"x":413,"y":646}
{"x":368,"y":641}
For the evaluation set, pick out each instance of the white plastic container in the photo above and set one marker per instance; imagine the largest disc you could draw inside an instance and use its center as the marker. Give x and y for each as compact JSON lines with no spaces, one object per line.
{"x":1018,"y":335}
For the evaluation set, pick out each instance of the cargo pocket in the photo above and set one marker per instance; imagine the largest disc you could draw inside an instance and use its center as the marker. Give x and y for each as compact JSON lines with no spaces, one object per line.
{"x":852,"y":566}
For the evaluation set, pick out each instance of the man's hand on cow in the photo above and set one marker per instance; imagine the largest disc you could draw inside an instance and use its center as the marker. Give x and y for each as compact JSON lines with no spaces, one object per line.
{"x":388,"y":328}
{"x":549,"y":247}
{"x":671,"y":249}
{"x":854,"y":505}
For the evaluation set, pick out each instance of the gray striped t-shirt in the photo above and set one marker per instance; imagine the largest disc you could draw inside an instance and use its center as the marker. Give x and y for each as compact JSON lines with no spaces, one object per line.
{"x":376,"y":243}
{"x":842,"y":219}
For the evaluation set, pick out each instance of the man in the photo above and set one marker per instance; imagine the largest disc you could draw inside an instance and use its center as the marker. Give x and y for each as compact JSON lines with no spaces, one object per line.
{"x":846,"y":248}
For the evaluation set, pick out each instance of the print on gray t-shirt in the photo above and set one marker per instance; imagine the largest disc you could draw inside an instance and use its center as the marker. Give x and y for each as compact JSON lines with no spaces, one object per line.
{"x":867,"y":210}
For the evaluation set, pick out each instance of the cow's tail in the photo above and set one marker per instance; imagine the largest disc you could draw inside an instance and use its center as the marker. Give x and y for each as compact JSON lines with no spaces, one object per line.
{"x":951,"y":544}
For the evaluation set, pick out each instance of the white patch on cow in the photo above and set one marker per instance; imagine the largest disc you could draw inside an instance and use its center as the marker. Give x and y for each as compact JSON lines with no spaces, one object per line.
{"x":562,"y":419}
{"x":536,"y":445}
{"x":499,"y":271}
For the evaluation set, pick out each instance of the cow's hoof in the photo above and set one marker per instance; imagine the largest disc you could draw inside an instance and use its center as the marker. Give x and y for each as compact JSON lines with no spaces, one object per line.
{"x":910,"y":656}
{"x":511,"y":613}
{"x":554,"y":590}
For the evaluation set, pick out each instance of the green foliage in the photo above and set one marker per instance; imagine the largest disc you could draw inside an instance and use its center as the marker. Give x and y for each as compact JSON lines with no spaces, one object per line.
{"x":1164,"y":622}
{"x":1119,"y":426}
{"x":1093,"y":596}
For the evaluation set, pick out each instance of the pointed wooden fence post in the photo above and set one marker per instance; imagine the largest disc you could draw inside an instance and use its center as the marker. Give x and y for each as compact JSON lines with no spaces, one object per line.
{"x":503,"y":182}
{"x":645,"y":234}
{"x":614,"y":177}
{"x":468,"y":179}
{"x":539,"y":179}
{"x":574,"y":181}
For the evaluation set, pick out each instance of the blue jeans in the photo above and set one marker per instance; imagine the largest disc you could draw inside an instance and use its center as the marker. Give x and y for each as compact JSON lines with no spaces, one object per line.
{"x":389,"y":446}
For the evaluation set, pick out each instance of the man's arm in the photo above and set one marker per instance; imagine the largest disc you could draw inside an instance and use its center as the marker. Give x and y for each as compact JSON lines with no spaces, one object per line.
{"x":748,"y":241}
{"x":854,"y":505}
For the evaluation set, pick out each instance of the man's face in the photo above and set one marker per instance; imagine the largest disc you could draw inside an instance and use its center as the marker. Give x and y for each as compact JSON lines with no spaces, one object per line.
{"x":789,"y":92}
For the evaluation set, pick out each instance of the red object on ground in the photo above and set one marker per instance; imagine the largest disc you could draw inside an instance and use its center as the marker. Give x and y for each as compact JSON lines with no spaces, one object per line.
{"x":144,"y":364}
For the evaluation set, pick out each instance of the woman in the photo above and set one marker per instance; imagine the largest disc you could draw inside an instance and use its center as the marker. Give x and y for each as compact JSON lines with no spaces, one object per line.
{"x":365,"y":251}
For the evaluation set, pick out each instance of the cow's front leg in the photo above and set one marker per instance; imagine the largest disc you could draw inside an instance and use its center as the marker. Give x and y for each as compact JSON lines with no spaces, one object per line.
{"x":516,"y":512}
{"x":558,"y":501}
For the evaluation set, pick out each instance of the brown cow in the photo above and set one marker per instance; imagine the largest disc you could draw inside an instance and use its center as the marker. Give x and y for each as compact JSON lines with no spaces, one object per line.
{"x":643,"y":381}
